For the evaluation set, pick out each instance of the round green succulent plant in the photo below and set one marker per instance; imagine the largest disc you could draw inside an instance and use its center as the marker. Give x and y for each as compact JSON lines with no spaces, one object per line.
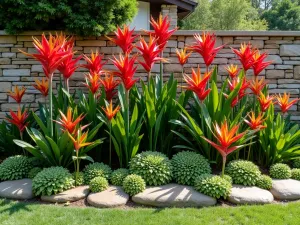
{"x":79,"y":178}
{"x":33,"y":172}
{"x":187,"y":166}
{"x":134,"y":184}
{"x":280,"y":171}
{"x":15,"y":168}
{"x":296,"y":163}
{"x":295,"y":174}
{"x":228,"y":178}
{"x":52,"y":180}
{"x":118,"y":176}
{"x":98,"y":184}
{"x":96,"y":170}
{"x":243,"y":172}
{"x":213,"y":186}
{"x":264,"y":182}
{"x":154,"y":167}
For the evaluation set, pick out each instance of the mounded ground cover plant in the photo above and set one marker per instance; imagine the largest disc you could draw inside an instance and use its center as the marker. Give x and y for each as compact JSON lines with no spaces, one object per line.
{"x":134,"y":184}
{"x":243,"y":172}
{"x":264,"y":182}
{"x":280,"y":171}
{"x":187,"y":166}
{"x":98,"y":184}
{"x":15,"y":168}
{"x":80,"y":178}
{"x":52,"y":180}
{"x":295,"y":174}
{"x":296,"y":163}
{"x":96,"y":170}
{"x":154,"y":167}
{"x":118,"y":176}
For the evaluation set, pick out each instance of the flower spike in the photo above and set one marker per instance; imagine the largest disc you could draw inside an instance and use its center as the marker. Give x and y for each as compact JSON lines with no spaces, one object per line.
{"x":42,"y":86}
{"x":283,"y":102}
{"x":68,"y":122}
{"x":17,"y":95}
{"x":182,"y":56}
{"x":18,"y":119}
{"x":255,"y":122}
{"x":109,"y":111}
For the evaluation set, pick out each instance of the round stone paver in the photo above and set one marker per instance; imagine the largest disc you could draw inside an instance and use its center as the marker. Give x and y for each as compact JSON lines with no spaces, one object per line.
{"x":16,"y":189}
{"x":286,"y":189}
{"x":173,"y":195}
{"x":71,"y":195}
{"x":114,"y":196}
{"x":249,"y":195}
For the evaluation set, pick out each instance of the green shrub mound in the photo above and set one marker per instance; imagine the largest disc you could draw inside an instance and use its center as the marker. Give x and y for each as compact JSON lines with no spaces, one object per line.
{"x":186,"y":166}
{"x":264,"y":182}
{"x":213,"y":186}
{"x":154,"y":167}
{"x":33,"y":172}
{"x":96,"y":170}
{"x":134,"y":184}
{"x":296,"y":163}
{"x":228,"y":178}
{"x":15,"y":168}
{"x":295,"y":174}
{"x":79,"y":181}
{"x":280,"y":171}
{"x":243,"y":172}
{"x":52,"y":180}
{"x":118,"y":176}
{"x":98,"y":184}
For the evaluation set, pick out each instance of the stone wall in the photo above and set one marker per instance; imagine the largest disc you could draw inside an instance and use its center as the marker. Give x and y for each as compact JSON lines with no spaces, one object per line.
{"x":171,"y":12}
{"x":283,"y":75}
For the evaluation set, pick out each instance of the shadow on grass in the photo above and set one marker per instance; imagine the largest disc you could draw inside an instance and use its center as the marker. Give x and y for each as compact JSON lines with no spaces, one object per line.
{"x":13,"y":207}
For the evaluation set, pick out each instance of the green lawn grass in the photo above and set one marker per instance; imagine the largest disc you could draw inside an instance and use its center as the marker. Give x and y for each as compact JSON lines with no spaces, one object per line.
{"x":19,"y":213}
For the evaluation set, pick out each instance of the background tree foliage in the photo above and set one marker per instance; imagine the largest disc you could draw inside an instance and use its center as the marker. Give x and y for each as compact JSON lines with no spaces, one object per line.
{"x":82,"y":17}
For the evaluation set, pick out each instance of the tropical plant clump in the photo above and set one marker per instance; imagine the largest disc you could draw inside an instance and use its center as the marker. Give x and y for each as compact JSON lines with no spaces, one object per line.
{"x":154,"y":167}
{"x":98,"y":184}
{"x":187,"y":166}
{"x":15,"y":168}
{"x":52,"y":180}
{"x":213,"y":186}
{"x":264,"y":182}
{"x":118,"y":176}
{"x":295,"y":174}
{"x":80,"y":178}
{"x":243,"y":172}
{"x":134,"y":184}
{"x":280,"y":171}
{"x":33,"y":172}
{"x":96,"y":170}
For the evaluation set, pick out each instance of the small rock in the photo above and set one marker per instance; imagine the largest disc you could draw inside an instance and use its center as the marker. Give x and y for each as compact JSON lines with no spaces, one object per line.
{"x":71,"y":195}
{"x":112,"y":197}
{"x":249,"y":195}
{"x":16,"y":189}
{"x":171,"y":195}
{"x":286,"y":189}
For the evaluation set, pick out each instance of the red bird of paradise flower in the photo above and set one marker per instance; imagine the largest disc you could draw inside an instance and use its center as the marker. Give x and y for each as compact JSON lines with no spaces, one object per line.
{"x":257,"y":85}
{"x":234,"y":82}
{"x":51,"y":53}
{"x":258,"y":62}
{"x":94,"y":64}
{"x":68,"y":66}
{"x":42,"y":86}
{"x":197,"y":83}
{"x":92,"y":82}
{"x":226,"y":138}
{"x":182,"y":56}
{"x":149,"y":52}
{"x":18,"y":94}
{"x":109,"y":84}
{"x":18,"y":119}
{"x":283,"y":102}
{"x":245,"y":55}
{"x":205,"y":46}
{"x":68,"y":122}
{"x":232,"y":70}
{"x":109,"y":111}
{"x":124,"y":39}
{"x":255,"y":122}
{"x":126,"y":68}
{"x":265,"y":101}
{"x":80,"y":139}
{"x":161,"y":31}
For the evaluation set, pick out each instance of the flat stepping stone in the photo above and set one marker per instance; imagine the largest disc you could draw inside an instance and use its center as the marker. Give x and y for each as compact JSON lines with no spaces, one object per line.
{"x":16,"y":189}
{"x":71,"y":195}
{"x":114,"y":196}
{"x":249,"y":195}
{"x":286,"y":189}
{"x":173,"y":195}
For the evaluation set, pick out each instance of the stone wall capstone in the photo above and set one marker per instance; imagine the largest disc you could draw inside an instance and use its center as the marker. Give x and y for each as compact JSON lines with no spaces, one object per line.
{"x":283,"y":49}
